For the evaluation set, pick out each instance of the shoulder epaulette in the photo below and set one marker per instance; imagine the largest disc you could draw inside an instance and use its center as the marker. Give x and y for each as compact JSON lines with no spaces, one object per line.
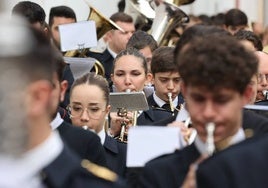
{"x":99,"y":171}
{"x":249,"y":133}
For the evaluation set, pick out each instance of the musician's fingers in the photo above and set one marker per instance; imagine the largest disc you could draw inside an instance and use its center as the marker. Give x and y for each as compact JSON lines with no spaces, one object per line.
{"x":190,"y":179}
{"x":176,"y":124}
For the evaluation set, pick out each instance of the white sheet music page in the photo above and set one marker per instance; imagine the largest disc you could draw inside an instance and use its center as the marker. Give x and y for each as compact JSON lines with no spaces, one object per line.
{"x":78,"y":35}
{"x":148,"y":142}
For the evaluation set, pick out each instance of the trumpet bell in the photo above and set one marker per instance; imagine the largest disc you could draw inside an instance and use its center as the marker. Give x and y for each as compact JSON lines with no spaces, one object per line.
{"x":142,"y":13}
{"x":168,"y":18}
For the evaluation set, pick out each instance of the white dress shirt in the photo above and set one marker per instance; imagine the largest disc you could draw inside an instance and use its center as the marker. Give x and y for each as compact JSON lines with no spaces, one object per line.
{"x":111,"y":52}
{"x":24,"y":171}
{"x":202,"y":148}
{"x":160,"y":102}
{"x":56,"y":122}
{"x":102,"y":136}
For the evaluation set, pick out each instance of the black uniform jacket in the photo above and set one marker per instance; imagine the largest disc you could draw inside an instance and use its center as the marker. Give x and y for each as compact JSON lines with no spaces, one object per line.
{"x":66,"y":172}
{"x":168,"y":170}
{"x":116,"y":154}
{"x":241,"y":166}
{"x":255,"y":123}
{"x":85,"y":143}
{"x":156,"y":114}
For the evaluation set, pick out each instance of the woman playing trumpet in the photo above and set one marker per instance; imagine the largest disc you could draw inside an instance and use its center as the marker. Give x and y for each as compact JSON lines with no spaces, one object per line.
{"x":129,"y":74}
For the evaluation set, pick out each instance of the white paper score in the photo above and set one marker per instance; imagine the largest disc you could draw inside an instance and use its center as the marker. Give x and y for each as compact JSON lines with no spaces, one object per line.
{"x":148,"y":142}
{"x":78,"y":35}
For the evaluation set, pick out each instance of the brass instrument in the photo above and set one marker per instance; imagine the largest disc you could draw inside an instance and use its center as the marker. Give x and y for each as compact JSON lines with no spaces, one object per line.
{"x":172,"y":107}
{"x":103,"y":25}
{"x":171,"y":103}
{"x":168,"y":18}
{"x":210,"y":128}
{"x":142,"y":13}
{"x":160,"y":20}
{"x":122,"y":112}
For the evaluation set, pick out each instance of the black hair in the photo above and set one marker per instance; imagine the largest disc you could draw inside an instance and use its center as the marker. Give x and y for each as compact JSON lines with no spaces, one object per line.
{"x":61,"y":11}
{"x":31,"y":11}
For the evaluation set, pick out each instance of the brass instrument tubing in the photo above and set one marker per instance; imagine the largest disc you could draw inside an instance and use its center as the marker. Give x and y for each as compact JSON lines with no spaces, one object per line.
{"x":170,"y":102}
{"x":210,"y":128}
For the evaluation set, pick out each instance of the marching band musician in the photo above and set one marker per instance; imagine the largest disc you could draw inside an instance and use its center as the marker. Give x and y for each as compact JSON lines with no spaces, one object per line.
{"x":59,"y":15}
{"x":87,"y":142}
{"x":89,"y":110}
{"x":33,"y":12}
{"x":214,"y":92}
{"x":145,"y":43}
{"x":166,"y":79}
{"x":129,"y":73}
{"x":31,"y":153}
{"x":116,"y":42}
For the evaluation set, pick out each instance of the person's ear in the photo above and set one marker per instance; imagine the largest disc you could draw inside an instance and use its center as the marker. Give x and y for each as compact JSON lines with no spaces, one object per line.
{"x":38,"y":97}
{"x":247,"y":94}
{"x":149,"y":78}
{"x":63,"y":88}
{"x":152,"y":79}
{"x":108,"y":109}
{"x":108,"y":36}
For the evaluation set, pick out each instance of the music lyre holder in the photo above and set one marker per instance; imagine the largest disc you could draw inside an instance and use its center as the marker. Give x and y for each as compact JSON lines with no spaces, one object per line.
{"x":81,"y":48}
{"x":122,"y":102}
{"x":130,"y":101}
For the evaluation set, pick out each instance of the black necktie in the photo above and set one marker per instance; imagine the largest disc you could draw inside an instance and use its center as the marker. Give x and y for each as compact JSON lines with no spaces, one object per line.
{"x":167,"y":107}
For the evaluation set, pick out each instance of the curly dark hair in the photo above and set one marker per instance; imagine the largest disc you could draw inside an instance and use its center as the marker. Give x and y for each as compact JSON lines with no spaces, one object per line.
{"x":216,"y":62}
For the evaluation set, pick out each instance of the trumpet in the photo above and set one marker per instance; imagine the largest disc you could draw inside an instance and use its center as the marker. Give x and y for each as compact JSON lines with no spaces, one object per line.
{"x":170,"y":102}
{"x":172,"y":107}
{"x":122,"y":112}
{"x":210,"y":146}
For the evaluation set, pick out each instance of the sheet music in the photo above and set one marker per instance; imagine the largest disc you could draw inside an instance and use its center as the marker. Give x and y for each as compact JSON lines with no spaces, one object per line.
{"x":78,"y":35}
{"x":148,"y":142}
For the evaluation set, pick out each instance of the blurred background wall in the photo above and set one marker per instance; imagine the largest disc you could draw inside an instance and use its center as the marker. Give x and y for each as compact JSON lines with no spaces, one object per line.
{"x":255,"y":9}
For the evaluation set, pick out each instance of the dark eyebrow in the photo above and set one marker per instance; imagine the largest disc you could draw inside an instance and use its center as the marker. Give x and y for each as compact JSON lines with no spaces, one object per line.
{"x":93,"y":104}
{"x":77,"y":103}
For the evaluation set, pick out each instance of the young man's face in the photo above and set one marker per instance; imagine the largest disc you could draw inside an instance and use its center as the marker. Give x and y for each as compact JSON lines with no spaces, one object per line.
{"x":55,"y":28}
{"x":222,"y":107}
{"x":117,"y":39}
{"x":166,"y":82}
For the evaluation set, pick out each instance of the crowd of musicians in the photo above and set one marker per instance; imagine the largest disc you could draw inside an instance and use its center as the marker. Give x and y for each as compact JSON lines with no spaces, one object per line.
{"x":58,"y":132}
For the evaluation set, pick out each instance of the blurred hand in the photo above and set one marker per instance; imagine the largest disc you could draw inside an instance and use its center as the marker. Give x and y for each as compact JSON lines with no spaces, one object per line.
{"x":190,"y":179}
{"x":185,"y":131}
